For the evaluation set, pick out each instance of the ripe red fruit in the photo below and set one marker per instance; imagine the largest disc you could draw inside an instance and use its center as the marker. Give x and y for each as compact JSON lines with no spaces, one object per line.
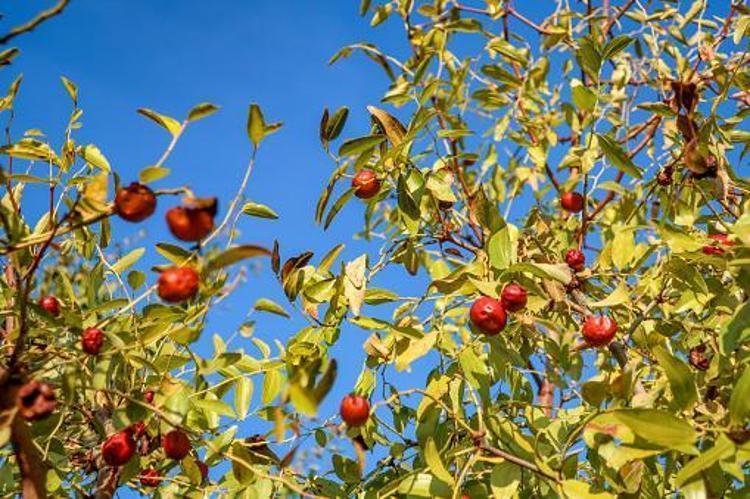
{"x":366,"y":184}
{"x":599,"y":330}
{"x":664,"y":177}
{"x":513,"y":297}
{"x":190,"y":223}
{"x":92,"y":340}
{"x":572,"y":202}
{"x":118,"y":448}
{"x":698,"y":358}
{"x":204,"y":469}
{"x":135,"y":202}
{"x":50,"y":304}
{"x":575,"y":260}
{"x":488,"y":315}
{"x":150,"y":478}
{"x":178,"y":284}
{"x":176,"y":444}
{"x":355,"y":410}
{"x":149,"y":396}
{"x":721,"y":239}
{"x":36,"y":400}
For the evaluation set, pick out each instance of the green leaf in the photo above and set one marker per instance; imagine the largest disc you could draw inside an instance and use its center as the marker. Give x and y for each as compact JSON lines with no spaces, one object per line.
{"x":243,"y":396}
{"x":170,"y":124}
{"x":353,"y":147}
{"x":215,"y":406}
{"x":680,"y":378}
{"x":575,"y":489}
{"x":271,"y":385}
{"x":259,"y":210}
{"x":415,"y":350}
{"x":657,"y":427}
{"x":722,"y":449}
{"x":128,"y":260}
{"x":152,"y":174}
{"x":617,"y":156}
{"x":71,"y":88}
{"x":336,"y":124}
{"x":739,"y":403}
{"x":583,"y":97}
{"x":616,"y":45}
{"x":237,"y":254}
{"x":435,"y":463}
{"x":257,"y":128}
{"x":505,"y":480}
{"x":93,"y":156}
{"x":355,"y":282}
{"x":201,"y":111}
{"x":424,"y":485}
{"x":270,"y":306}
{"x":500,"y":249}
{"x":558,"y":272}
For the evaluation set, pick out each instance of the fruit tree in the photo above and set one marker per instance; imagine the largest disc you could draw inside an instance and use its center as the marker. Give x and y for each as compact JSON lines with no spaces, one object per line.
{"x":561,"y":182}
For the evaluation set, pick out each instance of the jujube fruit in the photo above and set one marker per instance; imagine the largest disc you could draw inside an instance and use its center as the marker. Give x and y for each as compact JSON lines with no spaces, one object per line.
{"x":599,"y":330}
{"x":488,"y":315}
{"x":575,"y":260}
{"x":177,"y":284}
{"x":118,"y":448}
{"x":365,"y":184}
{"x":176,"y":445}
{"x":513,"y":297}
{"x":150,"y":478}
{"x":572,"y":202}
{"x":50,"y":304}
{"x":135,"y":202}
{"x":190,"y":223}
{"x":355,"y":410}
{"x":92,"y":340}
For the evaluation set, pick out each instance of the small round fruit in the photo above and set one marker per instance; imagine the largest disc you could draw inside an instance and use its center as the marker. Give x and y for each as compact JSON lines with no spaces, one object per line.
{"x":118,"y":448}
{"x":572,"y":202}
{"x":177,"y":284}
{"x":488,"y":315}
{"x":513,"y":297}
{"x":599,"y":330}
{"x":189,"y":223}
{"x":664,"y":177}
{"x":722,"y":240}
{"x":698,"y":359}
{"x":355,"y":410}
{"x":36,"y":400}
{"x":92,"y":340}
{"x":50,"y":304}
{"x":149,"y":396}
{"x":366,"y":184}
{"x":135,"y":202}
{"x":575,"y":260}
{"x":137,"y":429}
{"x":176,"y":444}
{"x":150,"y":478}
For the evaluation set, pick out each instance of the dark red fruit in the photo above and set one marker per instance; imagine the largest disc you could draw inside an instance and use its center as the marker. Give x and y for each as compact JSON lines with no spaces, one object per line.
{"x":137,"y":429}
{"x":150,"y":478}
{"x":513,"y":297}
{"x":366,"y":184}
{"x":599,"y":330}
{"x":36,"y":400}
{"x":118,"y":448}
{"x":572,"y":202}
{"x":177,"y":284}
{"x":258,"y":443}
{"x":722,"y":240}
{"x":697,"y":357}
{"x":149,"y":396}
{"x":488,"y":315}
{"x":92,"y":340}
{"x":176,"y":444}
{"x":135,"y":202}
{"x":190,"y":223}
{"x":664,"y":177}
{"x":204,"y":469}
{"x":50,"y":305}
{"x":575,"y":260}
{"x":355,"y":410}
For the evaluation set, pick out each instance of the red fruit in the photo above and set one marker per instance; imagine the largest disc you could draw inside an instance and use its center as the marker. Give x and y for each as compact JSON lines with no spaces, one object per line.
{"x":488,"y":315}
{"x":137,"y":429}
{"x":36,"y":400}
{"x":713,"y":250}
{"x":135,"y":202}
{"x":149,"y":396}
{"x":355,"y":410}
{"x":50,"y":305}
{"x":599,"y":330}
{"x":178,"y":284}
{"x":176,"y":444}
{"x":572,"y":202}
{"x":722,"y":239}
{"x":664,"y":177}
{"x":575,"y":260}
{"x":204,"y":469}
{"x":513,"y":297}
{"x":190,"y":223}
{"x":118,"y":448}
{"x":366,"y":184}
{"x":258,"y":443}
{"x":698,"y":358}
{"x":150,"y":478}
{"x":92,"y":340}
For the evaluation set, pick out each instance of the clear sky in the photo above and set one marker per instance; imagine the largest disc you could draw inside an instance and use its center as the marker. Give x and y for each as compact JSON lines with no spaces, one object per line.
{"x":169,"y":55}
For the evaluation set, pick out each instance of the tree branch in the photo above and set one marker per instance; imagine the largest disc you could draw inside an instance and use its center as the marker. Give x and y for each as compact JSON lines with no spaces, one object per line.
{"x":39,"y":19}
